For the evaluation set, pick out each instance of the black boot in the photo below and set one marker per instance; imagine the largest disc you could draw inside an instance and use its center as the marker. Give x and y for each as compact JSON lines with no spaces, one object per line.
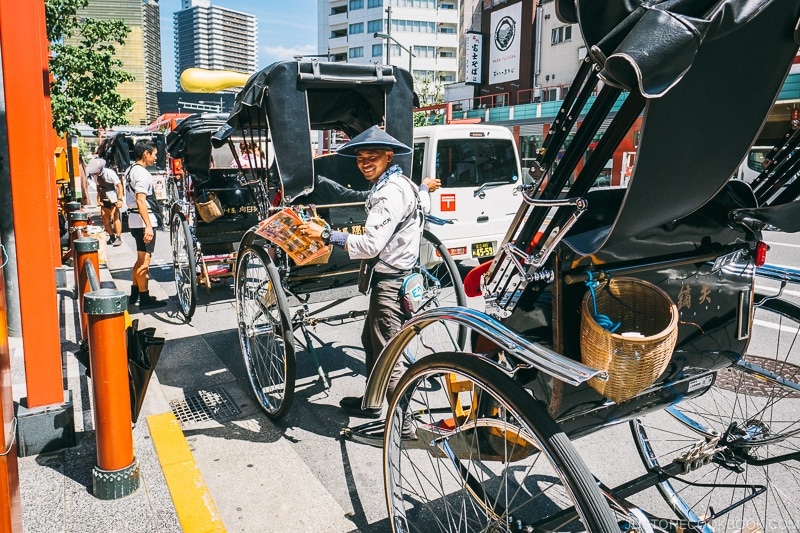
{"x":148,"y":302}
{"x":134,"y":295}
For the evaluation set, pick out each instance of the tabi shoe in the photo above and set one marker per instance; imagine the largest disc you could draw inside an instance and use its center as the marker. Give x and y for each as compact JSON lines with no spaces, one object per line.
{"x":352,"y":405}
{"x":409,"y":432}
{"x":148,"y":302}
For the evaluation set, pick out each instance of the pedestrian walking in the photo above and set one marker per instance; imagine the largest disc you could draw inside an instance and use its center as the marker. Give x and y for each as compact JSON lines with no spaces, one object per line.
{"x":142,"y":221}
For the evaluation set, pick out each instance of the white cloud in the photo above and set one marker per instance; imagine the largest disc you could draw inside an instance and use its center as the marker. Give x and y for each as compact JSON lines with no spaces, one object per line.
{"x":271,"y":54}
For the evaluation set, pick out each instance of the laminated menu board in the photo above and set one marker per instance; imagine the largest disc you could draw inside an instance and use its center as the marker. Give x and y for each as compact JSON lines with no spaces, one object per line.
{"x":281,"y":229}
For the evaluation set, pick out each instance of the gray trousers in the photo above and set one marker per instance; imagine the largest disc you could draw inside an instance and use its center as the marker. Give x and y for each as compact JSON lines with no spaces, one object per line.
{"x":384,"y":318}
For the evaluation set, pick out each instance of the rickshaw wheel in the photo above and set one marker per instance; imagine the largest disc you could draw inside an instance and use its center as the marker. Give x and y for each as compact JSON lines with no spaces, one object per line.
{"x":487,"y":456}
{"x":756,"y":421}
{"x":443,"y":288}
{"x":184,"y":265}
{"x":265,"y":331}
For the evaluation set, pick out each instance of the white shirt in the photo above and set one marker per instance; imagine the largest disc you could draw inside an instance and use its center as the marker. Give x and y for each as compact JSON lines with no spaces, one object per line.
{"x":391,"y":202}
{"x":139,"y":181}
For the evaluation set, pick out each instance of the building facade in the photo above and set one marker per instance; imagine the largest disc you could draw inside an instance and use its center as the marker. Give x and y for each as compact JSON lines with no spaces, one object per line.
{"x":213,"y":37}
{"x":428,"y":29}
{"x":140,"y":55}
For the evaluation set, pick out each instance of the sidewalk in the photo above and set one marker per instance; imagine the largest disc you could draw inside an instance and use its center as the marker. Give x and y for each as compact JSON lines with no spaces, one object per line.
{"x":237,"y":473}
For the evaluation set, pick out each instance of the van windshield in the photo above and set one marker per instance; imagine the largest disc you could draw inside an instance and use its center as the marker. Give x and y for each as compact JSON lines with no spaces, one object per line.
{"x":475,"y":161}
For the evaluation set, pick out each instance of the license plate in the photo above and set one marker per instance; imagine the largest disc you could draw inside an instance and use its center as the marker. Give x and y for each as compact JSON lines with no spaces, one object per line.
{"x":483,"y":249}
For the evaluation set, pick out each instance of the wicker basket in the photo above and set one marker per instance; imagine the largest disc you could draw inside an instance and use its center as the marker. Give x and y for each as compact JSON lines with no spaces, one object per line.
{"x":641,"y":348}
{"x":209,"y":210}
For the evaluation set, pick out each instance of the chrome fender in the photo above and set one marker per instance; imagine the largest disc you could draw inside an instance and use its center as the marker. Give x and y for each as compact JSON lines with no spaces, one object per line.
{"x":528,"y":353}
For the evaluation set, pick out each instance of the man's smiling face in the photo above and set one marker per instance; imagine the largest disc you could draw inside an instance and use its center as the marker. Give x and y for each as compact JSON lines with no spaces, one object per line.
{"x":373,"y":162}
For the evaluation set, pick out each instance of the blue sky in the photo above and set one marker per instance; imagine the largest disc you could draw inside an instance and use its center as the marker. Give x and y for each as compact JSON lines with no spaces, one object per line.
{"x":285,"y":28}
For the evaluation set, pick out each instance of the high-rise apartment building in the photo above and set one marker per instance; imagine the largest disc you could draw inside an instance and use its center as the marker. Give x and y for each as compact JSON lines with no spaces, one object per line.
{"x":428,"y":28}
{"x":214,"y":37}
{"x":140,"y":55}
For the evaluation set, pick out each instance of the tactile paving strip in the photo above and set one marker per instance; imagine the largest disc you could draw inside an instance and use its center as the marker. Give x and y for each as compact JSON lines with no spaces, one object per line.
{"x":203,"y":406}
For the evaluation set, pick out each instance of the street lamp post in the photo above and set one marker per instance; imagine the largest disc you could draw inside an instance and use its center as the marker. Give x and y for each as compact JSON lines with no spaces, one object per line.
{"x":386,"y":36}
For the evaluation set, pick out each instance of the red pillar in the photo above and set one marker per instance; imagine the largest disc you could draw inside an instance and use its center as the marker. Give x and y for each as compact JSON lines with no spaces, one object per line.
{"x":10,"y":510}
{"x":24,"y":47}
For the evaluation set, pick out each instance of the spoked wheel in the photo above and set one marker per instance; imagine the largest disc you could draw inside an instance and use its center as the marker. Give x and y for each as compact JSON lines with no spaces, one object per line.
{"x":265,"y":331}
{"x":184,"y":265}
{"x":749,"y":428}
{"x":487,"y":456}
{"x":443,"y":288}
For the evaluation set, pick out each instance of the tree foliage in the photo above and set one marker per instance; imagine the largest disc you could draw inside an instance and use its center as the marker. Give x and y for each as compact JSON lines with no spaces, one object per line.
{"x":430,"y":93}
{"x":85,"y":72}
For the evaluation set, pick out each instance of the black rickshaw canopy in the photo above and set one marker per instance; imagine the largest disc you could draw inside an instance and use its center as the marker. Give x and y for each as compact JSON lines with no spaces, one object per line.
{"x":289,"y":99}
{"x":709,"y":78}
{"x":191,"y":142}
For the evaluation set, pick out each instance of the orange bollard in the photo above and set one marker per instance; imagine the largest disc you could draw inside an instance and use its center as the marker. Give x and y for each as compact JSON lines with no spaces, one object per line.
{"x":85,"y":254}
{"x":78,"y":220}
{"x":117,"y":473}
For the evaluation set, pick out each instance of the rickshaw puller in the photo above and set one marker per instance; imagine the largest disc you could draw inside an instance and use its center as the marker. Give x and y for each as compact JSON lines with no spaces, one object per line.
{"x":391,"y":240}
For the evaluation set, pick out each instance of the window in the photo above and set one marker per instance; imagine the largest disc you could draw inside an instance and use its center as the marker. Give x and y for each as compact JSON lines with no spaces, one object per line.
{"x":356,"y":4}
{"x":356,"y":28}
{"x":338,"y":10}
{"x":561,"y":34}
{"x":425,"y":51}
{"x":377,"y":50}
{"x":550,"y":94}
{"x":374,"y":3}
{"x":356,"y":52}
{"x":335,"y":34}
{"x":425,"y":4}
{"x":418,"y":26}
{"x":374,"y":25}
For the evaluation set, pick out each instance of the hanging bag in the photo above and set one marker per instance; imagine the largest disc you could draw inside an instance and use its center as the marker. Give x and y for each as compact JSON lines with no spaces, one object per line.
{"x":412,"y":292}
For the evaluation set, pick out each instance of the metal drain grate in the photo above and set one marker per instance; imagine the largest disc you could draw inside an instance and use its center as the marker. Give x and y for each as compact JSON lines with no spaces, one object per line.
{"x":204,"y":405}
{"x":735,"y":381}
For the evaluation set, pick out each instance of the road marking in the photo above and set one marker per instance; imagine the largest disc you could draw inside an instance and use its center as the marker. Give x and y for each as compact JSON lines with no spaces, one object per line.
{"x":774,"y":325}
{"x":196,"y":511}
{"x":784,"y":244}
{"x":763,"y":289}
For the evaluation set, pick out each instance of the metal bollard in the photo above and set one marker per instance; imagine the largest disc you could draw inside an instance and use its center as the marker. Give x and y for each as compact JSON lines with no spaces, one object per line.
{"x":84,"y":253}
{"x":117,"y":472}
{"x":78,"y":220}
{"x":72,"y":206}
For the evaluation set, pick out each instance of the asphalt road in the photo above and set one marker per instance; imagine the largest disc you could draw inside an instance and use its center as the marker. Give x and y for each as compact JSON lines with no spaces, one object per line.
{"x":299,"y":475}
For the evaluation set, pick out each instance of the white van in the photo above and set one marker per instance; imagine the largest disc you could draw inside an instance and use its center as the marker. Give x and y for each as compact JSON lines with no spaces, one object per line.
{"x":753,"y":164}
{"x":479,"y":168}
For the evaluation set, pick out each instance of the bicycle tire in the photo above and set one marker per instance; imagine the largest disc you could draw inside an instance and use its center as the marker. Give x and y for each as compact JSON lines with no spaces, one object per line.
{"x":488,"y":464}
{"x":265,"y":331}
{"x":450,"y":280}
{"x":767,"y":428}
{"x":184,"y":265}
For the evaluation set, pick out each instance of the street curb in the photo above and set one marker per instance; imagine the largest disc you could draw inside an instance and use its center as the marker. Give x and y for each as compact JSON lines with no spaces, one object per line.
{"x":197,"y":512}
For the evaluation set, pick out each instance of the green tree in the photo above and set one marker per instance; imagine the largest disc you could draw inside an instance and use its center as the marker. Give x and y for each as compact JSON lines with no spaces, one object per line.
{"x":430,"y":93}
{"x":85,"y":72}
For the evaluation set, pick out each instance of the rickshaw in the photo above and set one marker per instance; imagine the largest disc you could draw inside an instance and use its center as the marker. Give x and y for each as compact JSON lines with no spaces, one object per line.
{"x":636,"y":305}
{"x":204,"y":234}
{"x":285,"y":104}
